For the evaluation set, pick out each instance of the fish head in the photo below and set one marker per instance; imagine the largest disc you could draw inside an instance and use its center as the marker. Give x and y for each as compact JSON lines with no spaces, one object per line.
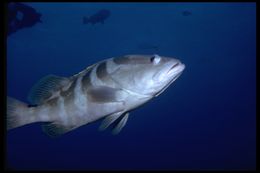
{"x":146,"y":74}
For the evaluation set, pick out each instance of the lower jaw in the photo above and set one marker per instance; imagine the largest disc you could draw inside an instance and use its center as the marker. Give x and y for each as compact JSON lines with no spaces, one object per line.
{"x":167,"y":85}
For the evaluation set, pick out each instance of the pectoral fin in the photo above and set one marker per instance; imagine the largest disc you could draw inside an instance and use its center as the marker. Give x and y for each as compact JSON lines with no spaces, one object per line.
{"x":109,"y":120}
{"x":118,"y":120}
{"x":120,"y":124}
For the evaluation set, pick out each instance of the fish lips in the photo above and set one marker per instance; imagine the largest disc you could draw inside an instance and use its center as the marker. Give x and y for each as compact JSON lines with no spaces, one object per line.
{"x":176,"y":68}
{"x":169,"y":72}
{"x":168,"y":76}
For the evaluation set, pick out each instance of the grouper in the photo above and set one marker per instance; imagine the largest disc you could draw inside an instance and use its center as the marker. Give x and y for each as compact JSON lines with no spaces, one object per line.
{"x":107,"y":90}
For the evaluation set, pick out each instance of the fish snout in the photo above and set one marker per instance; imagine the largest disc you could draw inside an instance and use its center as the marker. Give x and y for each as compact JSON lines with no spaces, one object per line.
{"x":176,"y":67}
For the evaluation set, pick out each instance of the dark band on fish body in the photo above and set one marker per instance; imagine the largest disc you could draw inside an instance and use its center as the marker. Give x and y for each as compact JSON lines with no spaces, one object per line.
{"x":70,"y":90}
{"x":68,"y":94}
{"x":86,"y":82}
{"x":53,"y":102}
{"x":132,"y":60}
{"x":102,"y":70}
{"x":103,"y":75}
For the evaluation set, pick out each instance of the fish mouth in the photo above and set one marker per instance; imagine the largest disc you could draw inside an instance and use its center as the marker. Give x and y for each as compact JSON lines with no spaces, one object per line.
{"x":175,"y":65}
{"x":173,"y":73}
{"x":176,"y":68}
{"x":170,"y":72}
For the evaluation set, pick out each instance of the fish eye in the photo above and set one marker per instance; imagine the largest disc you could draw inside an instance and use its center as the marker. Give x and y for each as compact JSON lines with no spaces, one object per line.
{"x":155,"y":59}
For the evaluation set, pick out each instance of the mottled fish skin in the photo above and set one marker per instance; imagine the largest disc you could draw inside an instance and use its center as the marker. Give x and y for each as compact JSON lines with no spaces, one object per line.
{"x":113,"y":86}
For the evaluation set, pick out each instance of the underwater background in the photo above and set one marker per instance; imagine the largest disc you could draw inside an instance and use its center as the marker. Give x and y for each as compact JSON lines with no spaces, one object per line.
{"x":206,"y":120}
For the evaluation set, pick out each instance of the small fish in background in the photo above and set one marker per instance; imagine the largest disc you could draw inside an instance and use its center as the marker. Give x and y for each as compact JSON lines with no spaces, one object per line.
{"x":99,"y":17}
{"x":107,"y":90}
{"x":186,"y":13}
{"x":21,"y":16}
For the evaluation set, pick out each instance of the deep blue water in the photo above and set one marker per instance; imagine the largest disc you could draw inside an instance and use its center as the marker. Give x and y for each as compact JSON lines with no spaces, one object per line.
{"x":204,"y":120}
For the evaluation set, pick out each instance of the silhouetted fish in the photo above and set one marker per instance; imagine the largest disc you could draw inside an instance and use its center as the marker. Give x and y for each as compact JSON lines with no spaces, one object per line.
{"x":99,"y":17}
{"x":186,"y":13}
{"x":21,"y":16}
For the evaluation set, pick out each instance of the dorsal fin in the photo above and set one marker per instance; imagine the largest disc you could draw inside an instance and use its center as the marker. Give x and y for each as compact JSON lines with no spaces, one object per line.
{"x":83,"y":71}
{"x":46,"y":88}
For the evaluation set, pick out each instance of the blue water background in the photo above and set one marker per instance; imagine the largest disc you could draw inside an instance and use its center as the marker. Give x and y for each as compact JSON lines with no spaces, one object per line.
{"x":204,"y":120}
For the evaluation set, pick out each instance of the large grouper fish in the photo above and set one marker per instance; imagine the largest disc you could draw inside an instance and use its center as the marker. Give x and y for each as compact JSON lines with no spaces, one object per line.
{"x":107,"y":90}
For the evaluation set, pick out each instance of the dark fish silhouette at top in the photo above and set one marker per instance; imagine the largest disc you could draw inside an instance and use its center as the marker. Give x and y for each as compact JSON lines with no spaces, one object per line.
{"x":21,"y":16}
{"x":186,"y":13}
{"x":99,"y":17}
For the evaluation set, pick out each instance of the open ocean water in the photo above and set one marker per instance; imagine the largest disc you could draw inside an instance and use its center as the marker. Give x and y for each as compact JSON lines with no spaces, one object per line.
{"x":206,"y":120}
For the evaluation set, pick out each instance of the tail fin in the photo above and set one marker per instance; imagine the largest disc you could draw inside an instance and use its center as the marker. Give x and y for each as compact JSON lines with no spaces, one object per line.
{"x":17,"y":114}
{"x":85,"y":20}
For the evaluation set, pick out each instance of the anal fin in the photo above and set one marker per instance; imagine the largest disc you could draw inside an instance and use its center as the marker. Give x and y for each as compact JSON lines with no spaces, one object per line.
{"x":56,"y":129}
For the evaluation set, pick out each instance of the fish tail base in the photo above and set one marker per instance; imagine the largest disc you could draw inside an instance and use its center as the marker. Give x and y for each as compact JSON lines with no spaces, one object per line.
{"x":16,"y":114}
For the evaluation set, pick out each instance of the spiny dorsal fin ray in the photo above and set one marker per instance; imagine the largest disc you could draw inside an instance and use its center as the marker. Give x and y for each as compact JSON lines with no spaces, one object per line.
{"x":83,"y":71}
{"x":46,"y":88}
